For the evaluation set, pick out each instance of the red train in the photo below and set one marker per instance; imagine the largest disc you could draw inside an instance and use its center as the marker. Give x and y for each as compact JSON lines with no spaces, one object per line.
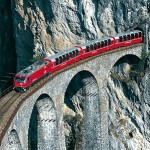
{"x":32,"y":74}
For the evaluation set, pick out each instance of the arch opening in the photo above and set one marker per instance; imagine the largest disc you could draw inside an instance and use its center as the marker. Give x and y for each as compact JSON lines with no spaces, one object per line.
{"x":43,"y":129}
{"x":81,"y":113}
{"x":123,"y":89}
{"x":129,"y":66}
{"x":131,"y":59}
{"x":14,"y":141}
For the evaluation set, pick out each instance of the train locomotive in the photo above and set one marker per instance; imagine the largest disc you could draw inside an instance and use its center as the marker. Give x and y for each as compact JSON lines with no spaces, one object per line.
{"x":38,"y":70}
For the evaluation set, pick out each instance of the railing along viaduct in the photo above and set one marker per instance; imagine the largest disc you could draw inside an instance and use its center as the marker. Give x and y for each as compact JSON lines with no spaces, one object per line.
{"x":36,"y":119}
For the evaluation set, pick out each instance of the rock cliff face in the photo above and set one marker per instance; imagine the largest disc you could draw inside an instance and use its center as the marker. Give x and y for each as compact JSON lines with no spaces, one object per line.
{"x":7,"y":45}
{"x":35,"y":28}
{"x":32,"y":29}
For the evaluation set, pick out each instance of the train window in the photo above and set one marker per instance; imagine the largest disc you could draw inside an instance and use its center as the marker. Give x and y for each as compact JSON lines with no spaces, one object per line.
{"x":140,"y":34}
{"x":136,"y":35}
{"x":87,"y":48}
{"x":102,"y":44}
{"x":20,"y":79}
{"x":77,"y":53}
{"x":95,"y":46}
{"x":99,"y":45}
{"x":91,"y":47}
{"x":73,"y":54}
{"x":60,"y":59}
{"x":57,"y":61}
{"x":132,"y":36}
{"x":70,"y":55}
{"x":128,"y":37}
{"x":124,"y":37}
{"x":105,"y":42}
{"x":64,"y":58}
{"x":120,"y":38}
{"x":109,"y":41}
{"x":67,"y":56}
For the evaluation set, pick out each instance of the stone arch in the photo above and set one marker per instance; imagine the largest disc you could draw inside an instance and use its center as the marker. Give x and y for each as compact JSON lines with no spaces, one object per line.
{"x":14,"y":141}
{"x":127,"y":63}
{"x":123,"y":93}
{"x":43,"y":127}
{"x":128,"y":58}
{"x":81,"y":112}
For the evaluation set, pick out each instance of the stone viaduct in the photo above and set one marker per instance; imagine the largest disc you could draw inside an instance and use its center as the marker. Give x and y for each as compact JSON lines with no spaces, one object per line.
{"x":39,"y":122}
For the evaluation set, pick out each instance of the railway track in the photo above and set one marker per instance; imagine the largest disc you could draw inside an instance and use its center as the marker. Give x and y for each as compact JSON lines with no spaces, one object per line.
{"x":6,"y":98}
{"x":10,"y":103}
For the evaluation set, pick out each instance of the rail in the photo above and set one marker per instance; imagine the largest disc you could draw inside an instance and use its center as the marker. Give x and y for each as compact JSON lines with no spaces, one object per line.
{"x":6,"y":91}
{"x":12,"y":109}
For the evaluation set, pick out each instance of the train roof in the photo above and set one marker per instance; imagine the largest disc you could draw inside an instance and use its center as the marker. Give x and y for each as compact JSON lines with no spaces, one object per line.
{"x":32,"y":68}
{"x":64,"y":52}
{"x":61,"y":53}
{"x":95,"y":41}
{"x":125,"y":33}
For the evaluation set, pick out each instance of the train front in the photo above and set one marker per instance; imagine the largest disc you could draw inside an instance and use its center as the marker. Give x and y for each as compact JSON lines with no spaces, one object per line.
{"x":21,"y":83}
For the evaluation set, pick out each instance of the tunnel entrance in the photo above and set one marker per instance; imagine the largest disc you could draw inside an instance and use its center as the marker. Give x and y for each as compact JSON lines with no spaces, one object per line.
{"x":138,"y":28}
{"x":42,"y":132}
{"x":81,"y":113}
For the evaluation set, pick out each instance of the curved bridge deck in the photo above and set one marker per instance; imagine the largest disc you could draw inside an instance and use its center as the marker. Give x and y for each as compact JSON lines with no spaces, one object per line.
{"x":10,"y":103}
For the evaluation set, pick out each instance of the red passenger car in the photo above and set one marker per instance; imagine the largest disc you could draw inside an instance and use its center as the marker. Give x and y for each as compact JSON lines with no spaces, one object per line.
{"x":30,"y":75}
{"x":64,"y":58}
{"x":128,"y":38}
{"x":95,"y":47}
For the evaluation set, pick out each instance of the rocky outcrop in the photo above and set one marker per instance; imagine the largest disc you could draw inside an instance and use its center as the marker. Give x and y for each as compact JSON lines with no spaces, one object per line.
{"x":129,"y":106}
{"x":34,"y":29}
